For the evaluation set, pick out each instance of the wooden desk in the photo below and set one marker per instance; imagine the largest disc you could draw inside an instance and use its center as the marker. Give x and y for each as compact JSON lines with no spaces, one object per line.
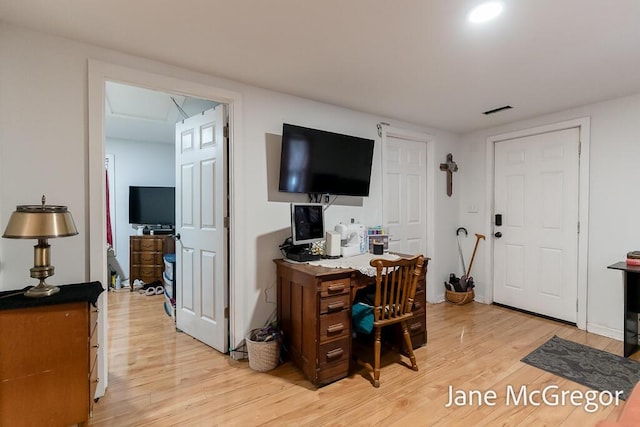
{"x":631,"y":305}
{"x":314,"y":313}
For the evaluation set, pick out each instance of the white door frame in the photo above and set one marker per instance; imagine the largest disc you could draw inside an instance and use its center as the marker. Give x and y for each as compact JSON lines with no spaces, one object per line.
{"x":583,"y":124}
{"x":395,"y":132}
{"x":98,"y":74}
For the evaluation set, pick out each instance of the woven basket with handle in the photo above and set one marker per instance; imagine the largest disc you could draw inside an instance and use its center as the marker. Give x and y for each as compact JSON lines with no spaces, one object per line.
{"x":459,"y":298}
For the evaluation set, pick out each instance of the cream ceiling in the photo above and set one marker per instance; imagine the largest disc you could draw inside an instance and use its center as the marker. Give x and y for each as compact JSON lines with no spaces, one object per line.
{"x":415,"y":60}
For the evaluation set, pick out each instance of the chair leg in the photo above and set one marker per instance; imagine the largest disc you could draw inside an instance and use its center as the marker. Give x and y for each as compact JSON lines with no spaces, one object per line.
{"x":407,"y":341}
{"x":376,"y":359}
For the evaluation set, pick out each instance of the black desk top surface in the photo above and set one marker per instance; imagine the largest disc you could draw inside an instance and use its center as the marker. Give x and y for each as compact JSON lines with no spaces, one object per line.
{"x":76,"y":292}
{"x":623,"y":266}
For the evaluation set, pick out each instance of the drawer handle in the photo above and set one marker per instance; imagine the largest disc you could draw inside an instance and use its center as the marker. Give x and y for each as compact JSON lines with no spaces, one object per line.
{"x":415,"y":327}
{"x":96,"y":346}
{"x":336,"y":288}
{"x":97,"y":310}
{"x":97,"y":380}
{"x":336,"y":306}
{"x":335,"y":353}
{"x":337,"y":327}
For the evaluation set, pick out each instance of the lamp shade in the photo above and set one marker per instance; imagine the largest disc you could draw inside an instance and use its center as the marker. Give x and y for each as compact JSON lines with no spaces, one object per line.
{"x":40,"y":222}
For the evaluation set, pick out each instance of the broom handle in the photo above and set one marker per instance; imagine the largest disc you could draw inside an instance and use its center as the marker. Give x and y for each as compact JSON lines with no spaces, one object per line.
{"x":478,"y":237}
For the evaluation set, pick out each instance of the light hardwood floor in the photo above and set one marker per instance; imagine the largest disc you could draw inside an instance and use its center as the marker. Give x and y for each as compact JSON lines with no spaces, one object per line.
{"x":160,"y":377}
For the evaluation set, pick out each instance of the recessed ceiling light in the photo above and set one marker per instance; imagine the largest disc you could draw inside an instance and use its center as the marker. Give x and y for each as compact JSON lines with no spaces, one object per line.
{"x":486,"y":11}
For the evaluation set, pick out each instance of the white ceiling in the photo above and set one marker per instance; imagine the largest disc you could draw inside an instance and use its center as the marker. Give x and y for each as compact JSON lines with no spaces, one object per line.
{"x":145,"y":115}
{"x":414,"y":60}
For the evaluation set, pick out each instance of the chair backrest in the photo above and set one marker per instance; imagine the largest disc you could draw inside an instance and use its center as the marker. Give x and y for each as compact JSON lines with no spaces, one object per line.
{"x":396,"y":282}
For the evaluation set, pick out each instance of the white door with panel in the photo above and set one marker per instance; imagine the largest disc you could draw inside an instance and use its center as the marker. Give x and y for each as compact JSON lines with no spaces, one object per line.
{"x":536,"y":192}
{"x":201,"y":208}
{"x":404,"y":187}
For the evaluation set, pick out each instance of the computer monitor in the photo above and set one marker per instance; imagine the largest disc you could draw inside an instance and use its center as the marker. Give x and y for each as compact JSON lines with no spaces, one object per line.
{"x":307,"y":223}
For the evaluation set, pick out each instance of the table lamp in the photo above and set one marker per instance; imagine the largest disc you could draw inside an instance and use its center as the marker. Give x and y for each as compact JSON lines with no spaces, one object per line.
{"x":40,"y":222}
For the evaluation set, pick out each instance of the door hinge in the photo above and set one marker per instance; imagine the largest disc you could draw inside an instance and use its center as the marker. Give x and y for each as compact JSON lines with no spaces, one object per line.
{"x":576,"y":305}
{"x":226,"y":222}
{"x":579,"y":148}
{"x":225,"y":131}
{"x":226,"y":312}
{"x":578,"y":227}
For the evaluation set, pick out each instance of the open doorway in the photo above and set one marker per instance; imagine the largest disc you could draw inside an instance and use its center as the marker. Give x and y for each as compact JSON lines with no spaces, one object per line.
{"x":99,"y":74}
{"x":140,"y":128}
{"x":166,"y":177}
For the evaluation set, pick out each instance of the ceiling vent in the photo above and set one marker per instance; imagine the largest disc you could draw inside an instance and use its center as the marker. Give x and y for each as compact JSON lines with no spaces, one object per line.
{"x":497,"y":110}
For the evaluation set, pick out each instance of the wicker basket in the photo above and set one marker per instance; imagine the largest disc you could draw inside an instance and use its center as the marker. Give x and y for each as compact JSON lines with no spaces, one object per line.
{"x":459,"y":298}
{"x":263,"y":355}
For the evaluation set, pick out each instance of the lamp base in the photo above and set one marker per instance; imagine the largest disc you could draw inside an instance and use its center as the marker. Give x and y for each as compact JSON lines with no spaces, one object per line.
{"x":42,"y":290}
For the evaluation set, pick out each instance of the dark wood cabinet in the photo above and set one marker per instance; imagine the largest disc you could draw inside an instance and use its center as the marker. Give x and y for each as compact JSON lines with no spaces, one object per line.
{"x":146,"y":257}
{"x":314,"y":312}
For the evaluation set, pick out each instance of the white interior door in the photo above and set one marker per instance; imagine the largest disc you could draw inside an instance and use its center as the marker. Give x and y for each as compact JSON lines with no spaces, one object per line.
{"x":536,"y":192}
{"x":404,"y":192}
{"x":201,"y":257}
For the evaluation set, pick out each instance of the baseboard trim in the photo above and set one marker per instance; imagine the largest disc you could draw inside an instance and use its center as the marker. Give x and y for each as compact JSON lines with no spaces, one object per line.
{"x":605,"y":331}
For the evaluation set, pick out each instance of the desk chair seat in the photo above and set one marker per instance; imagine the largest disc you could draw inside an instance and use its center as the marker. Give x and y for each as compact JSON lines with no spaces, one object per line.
{"x":395,"y":291}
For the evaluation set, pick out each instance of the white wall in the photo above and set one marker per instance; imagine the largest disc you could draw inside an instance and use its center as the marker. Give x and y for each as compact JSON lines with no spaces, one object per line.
{"x":136,"y":163}
{"x":613,"y":202}
{"x":43,"y":109}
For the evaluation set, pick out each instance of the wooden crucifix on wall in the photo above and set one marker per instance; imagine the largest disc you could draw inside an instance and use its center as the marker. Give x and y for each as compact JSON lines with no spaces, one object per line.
{"x":449,"y":167}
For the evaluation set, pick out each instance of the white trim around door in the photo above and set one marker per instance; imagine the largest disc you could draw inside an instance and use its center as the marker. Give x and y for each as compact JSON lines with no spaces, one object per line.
{"x":408,"y":135}
{"x":583,"y":125}
{"x":100,"y":72}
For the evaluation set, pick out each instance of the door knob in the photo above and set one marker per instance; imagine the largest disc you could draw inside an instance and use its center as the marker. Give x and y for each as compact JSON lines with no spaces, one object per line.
{"x":176,"y":237}
{"x":498,"y":235}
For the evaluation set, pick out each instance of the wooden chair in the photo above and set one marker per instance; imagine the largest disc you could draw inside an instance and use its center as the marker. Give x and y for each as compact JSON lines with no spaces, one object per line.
{"x":395,"y":290}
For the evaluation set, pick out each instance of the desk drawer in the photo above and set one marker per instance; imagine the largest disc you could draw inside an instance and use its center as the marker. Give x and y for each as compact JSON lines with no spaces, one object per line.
{"x":334,"y":304}
{"x":419,"y":302}
{"x":417,"y":330}
{"x":333,"y":360}
{"x":416,"y":324}
{"x":334,"y":352}
{"x":336,"y":325}
{"x":335,"y":287}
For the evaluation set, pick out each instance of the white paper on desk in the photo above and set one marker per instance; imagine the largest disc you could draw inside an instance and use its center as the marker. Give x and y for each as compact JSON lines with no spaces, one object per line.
{"x":358,"y":262}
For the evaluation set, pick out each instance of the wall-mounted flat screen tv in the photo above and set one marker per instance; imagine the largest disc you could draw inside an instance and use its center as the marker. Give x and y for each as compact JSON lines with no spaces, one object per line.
{"x":317,"y":161}
{"x":152,"y":205}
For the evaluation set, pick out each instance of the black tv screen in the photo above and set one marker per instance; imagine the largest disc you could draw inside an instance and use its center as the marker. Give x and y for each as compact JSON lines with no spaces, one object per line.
{"x":316,"y":161}
{"x":152,"y":205}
